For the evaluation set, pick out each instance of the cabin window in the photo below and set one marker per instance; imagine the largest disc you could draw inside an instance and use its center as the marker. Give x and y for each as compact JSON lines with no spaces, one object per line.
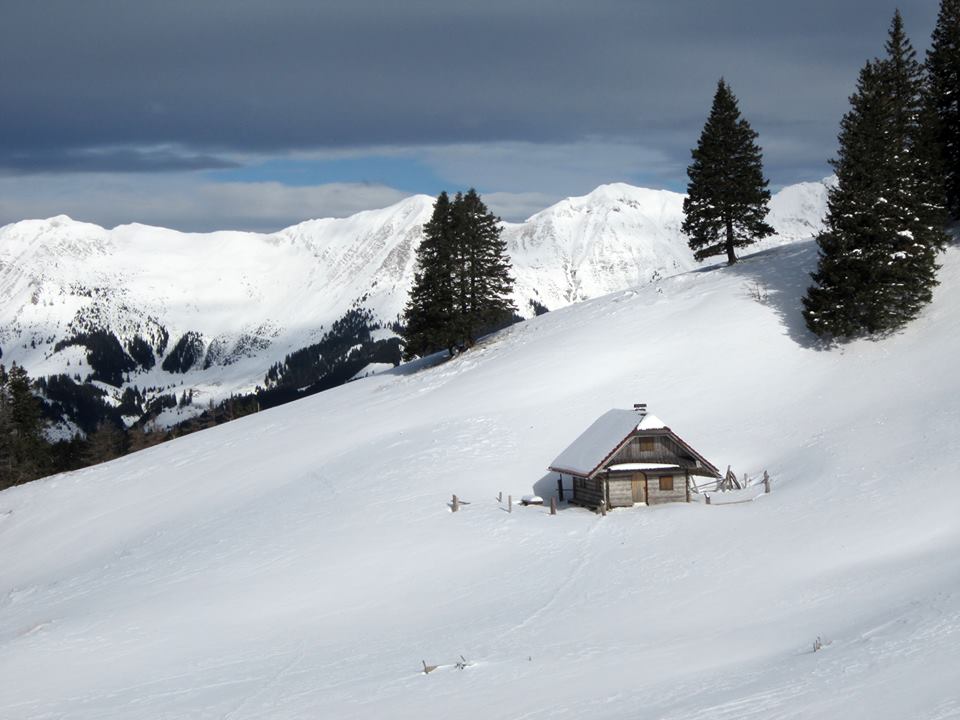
{"x":647,"y":444}
{"x":579,"y":483}
{"x":666,"y":483}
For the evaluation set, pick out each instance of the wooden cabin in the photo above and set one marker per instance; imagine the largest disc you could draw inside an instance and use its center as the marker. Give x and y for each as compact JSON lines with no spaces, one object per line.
{"x":628,"y":457}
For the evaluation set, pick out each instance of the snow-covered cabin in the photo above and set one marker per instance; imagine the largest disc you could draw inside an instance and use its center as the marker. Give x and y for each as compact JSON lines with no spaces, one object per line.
{"x":628,"y":457}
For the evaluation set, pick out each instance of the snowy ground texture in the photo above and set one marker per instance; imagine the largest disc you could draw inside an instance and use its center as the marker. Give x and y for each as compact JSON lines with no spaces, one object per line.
{"x":302,"y":562}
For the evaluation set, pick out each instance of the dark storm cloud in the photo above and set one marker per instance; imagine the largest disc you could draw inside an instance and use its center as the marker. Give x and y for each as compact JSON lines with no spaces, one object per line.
{"x":104,"y":159}
{"x":232,"y":77}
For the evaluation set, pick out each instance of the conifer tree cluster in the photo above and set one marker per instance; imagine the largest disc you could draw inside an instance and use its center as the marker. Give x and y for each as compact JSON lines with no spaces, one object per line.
{"x":943,"y":69}
{"x":463,"y":283}
{"x":27,"y":454}
{"x":23,"y":454}
{"x":884,"y":225}
{"x":726,"y":203}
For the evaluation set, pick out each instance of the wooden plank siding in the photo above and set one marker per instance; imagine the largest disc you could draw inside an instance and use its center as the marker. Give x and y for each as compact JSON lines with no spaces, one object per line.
{"x":588,"y":492}
{"x":621,"y":491}
{"x":657,"y":496}
{"x":665,"y":450}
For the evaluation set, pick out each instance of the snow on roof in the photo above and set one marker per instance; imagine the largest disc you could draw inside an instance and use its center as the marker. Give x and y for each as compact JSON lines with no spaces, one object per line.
{"x":651,"y":422}
{"x":642,"y":466}
{"x":600,"y":439}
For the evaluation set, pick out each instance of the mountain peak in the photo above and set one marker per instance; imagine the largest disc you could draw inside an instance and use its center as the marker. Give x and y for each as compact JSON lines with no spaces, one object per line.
{"x":612,"y":196}
{"x":625,"y":190}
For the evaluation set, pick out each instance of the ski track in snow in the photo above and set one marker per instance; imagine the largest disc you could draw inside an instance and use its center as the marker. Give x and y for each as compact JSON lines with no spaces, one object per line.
{"x":265,"y":687}
{"x":584,"y":555}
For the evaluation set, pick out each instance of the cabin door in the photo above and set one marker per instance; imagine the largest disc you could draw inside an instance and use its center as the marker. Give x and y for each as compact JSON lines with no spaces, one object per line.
{"x":638,"y":482}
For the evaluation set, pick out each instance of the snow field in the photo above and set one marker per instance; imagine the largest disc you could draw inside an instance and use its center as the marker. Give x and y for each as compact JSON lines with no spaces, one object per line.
{"x":303,"y":561}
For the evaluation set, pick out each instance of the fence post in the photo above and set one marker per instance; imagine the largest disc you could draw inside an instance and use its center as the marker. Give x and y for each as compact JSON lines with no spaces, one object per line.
{"x":707,"y":497}
{"x":766,"y":482}
{"x":553,"y":506}
{"x":455,"y":504}
{"x":509,"y":503}
{"x":500,"y":496}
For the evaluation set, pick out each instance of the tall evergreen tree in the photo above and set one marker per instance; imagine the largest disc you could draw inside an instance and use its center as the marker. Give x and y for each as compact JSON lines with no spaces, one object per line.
{"x":943,"y":69}
{"x":429,"y":313}
{"x":884,"y":224}
{"x":727,"y":197}
{"x":23,"y":449}
{"x":7,"y":436}
{"x":462,"y":284}
{"x":483,"y":269}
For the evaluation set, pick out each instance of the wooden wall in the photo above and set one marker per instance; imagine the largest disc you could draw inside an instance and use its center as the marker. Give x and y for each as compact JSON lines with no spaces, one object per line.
{"x":621,"y":492}
{"x":588,"y":492}
{"x":657,"y":496}
{"x":665,"y":450}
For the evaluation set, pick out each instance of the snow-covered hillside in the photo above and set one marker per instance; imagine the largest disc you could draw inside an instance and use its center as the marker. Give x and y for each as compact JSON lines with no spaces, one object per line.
{"x":247,"y":300}
{"x":303,"y":561}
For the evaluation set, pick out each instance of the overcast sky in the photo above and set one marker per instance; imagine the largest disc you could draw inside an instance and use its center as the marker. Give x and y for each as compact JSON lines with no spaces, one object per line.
{"x":255,"y":114}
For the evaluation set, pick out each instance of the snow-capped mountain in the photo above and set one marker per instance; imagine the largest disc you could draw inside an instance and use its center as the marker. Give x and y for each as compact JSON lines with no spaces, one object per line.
{"x":797,"y":211}
{"x":230,"y":304}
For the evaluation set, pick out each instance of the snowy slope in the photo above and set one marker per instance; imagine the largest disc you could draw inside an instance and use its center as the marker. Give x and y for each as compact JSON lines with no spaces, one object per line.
{"x":253,"y":298}
{"x":301,"y":562}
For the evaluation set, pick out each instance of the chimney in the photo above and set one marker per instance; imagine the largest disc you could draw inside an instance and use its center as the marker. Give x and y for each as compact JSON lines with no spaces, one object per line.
{"x":640,"y":408}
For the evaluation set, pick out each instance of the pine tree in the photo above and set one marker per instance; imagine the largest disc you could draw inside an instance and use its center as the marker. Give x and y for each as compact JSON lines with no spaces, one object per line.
{"x":482,"y":269}
{"x":462,"y":284}
{"x":844,"y":302}
{"x":23,"y":449}
{"x":884,"y":225}
{"x":727,"y":197}
{"x":430,"y":308}
{"x":140,"y":437}
{"x":943,"y":69}
{"x":105,"y":443}
{"x":6,"y":433}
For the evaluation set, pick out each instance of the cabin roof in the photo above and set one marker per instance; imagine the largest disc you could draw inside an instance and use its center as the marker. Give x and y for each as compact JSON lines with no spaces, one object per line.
{"x":601,"y":439}
{"x":598,"y":443}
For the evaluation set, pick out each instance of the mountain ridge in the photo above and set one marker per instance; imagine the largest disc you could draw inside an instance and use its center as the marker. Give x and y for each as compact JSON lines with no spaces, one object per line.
{"x":247,"y":300}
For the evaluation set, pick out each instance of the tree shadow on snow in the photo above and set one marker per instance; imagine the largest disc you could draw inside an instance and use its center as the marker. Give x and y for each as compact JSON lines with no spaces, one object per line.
{"x":443,"y":356}
{"x":413,"y":366}
{"x":779,"y":278}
